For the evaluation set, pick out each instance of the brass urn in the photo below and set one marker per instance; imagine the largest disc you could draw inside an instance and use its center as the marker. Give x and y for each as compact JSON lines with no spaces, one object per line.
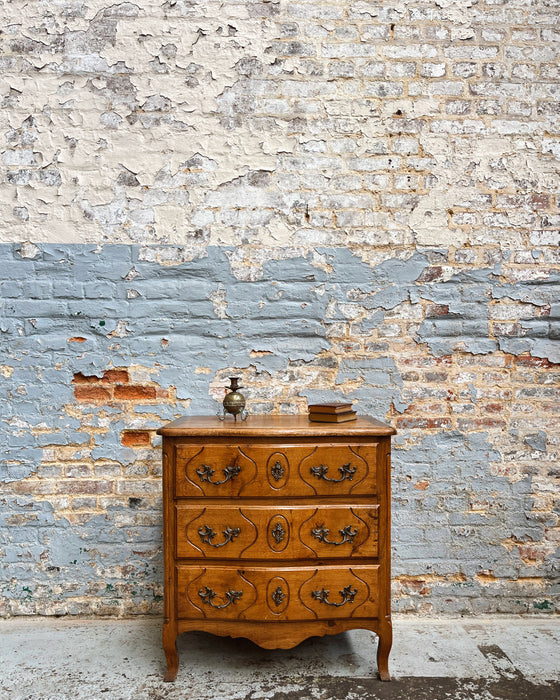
{"x":234,"y":401}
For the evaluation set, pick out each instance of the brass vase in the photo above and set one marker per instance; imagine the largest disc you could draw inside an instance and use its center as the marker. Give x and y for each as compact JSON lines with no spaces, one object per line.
{"x":234,"y":401}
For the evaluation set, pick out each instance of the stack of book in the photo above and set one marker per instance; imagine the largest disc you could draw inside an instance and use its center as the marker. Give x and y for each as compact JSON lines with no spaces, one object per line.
{"x":331,"y":412}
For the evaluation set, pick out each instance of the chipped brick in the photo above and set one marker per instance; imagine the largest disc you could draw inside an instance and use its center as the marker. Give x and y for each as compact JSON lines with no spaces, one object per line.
{"x":135,"y":438}
{"x":96,"y":394}
{"x":134,"y":393}
{"x":115,"y":376}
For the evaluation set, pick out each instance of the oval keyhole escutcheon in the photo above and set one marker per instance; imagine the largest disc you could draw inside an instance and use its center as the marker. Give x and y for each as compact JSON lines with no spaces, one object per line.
{"x":278,"y":595}
{"x":278,"y":533}
{"x":277,"y":470}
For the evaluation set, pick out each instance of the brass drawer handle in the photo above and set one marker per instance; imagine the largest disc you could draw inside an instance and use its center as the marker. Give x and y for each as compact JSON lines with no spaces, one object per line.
{"x":207,"y":535}
{"x":208,"y":595}
{"x":347,"y":471}
{"x":206,"y":473}
{"x":348,"y":594}
{"x":320,"y":533}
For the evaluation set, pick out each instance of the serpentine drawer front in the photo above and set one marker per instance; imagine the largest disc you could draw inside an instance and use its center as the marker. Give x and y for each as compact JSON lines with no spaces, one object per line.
{"x":276,"y":529}
{"x":281,"y":593}
{"x":249,"y":470}
{"x":296,"y":532}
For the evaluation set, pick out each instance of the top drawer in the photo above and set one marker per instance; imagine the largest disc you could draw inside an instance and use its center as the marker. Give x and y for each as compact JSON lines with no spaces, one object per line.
{"x":246,"y":470}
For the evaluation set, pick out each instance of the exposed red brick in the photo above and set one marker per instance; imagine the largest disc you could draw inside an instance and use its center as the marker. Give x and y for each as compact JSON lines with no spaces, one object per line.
{"x":110,"y":376}
{"x":425,"y":423}
{"x":92,"y":393}
{"x":434,"y":310}
{"x":133,"y":392}
{"x":162,"y":393}
{"x":115,"y":376}
{"x":29,"y":487}
{"x":530,"y":361}
{"x":77,"y":339}
{"x":532,"y":553}
{"x":422,"y":485}
{"x":132,"y":438}
{"x":493,"y":408}
{"x":431,"y":273}
{"x":80,"y":378}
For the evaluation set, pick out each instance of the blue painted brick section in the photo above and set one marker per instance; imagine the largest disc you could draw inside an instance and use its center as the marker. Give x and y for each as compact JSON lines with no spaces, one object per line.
{"x":90,"y":372}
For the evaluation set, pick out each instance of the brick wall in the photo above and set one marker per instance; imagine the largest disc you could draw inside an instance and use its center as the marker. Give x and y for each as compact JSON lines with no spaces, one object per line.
{"x":332,"y":200}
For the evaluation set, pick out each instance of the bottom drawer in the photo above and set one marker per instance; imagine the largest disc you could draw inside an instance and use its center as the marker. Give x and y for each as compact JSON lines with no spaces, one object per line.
{"x":287,"y":593}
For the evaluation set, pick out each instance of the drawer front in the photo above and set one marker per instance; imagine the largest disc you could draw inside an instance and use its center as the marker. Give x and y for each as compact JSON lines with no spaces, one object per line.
{"x":259,"y":532}
{"x":232,"y":470}
{"x":267,"y":594}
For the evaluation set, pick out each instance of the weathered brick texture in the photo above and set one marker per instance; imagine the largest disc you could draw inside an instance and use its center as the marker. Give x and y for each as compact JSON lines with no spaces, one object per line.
{"x":349,"y":200}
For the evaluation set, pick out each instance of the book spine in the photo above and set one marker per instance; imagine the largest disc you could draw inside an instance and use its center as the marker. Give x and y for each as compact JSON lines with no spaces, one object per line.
{"x":332,"y":418}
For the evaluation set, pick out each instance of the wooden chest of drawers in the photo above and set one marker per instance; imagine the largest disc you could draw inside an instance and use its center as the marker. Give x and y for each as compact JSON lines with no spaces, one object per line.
{"x":276,"y":529}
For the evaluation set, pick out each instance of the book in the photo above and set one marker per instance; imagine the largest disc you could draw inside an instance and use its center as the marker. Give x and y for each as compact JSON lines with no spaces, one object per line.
{"x":329,"y":407}
{"x":332,"y":417}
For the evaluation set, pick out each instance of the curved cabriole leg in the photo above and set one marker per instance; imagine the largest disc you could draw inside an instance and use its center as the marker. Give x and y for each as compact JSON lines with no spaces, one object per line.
{"x":383,"y":648}
{"x":171,"y":655}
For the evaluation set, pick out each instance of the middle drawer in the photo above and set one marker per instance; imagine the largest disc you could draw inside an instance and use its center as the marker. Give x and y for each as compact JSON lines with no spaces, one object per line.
{"x":267,"y":532}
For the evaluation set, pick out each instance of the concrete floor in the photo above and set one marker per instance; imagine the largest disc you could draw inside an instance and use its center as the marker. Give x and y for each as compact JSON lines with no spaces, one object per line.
{"x":463,"y":659}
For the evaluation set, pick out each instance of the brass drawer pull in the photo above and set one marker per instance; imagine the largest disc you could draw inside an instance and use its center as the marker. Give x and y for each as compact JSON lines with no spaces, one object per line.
{"x":320,"y":533}
{"x":207,"y":535}
{"x":347,"y":471}
{"x":348,"y":594}
{"x":208,"y":595}
{"x":206,"y":473}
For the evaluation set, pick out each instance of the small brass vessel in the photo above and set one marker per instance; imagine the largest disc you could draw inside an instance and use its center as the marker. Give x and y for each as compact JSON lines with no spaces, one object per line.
{"x":234,"y":401}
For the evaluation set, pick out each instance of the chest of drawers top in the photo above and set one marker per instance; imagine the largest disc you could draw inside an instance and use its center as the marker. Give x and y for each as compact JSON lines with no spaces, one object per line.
{"x":268,"y":426}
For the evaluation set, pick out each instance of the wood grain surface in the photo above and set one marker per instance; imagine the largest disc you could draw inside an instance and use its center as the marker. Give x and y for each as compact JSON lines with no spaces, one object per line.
{"x":268,"y":425}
